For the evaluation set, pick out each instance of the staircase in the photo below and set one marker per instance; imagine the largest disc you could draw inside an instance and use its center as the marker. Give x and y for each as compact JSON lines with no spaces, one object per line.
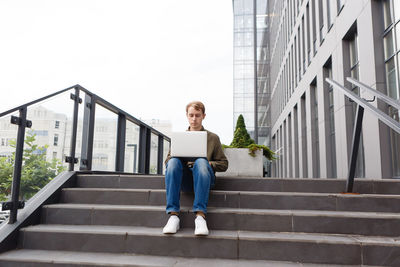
{"x":116,"y":220}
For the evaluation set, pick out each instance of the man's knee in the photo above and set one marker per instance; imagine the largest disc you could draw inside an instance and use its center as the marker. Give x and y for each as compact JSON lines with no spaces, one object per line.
{"x":174,"y":164}
{"x":202,"y":166}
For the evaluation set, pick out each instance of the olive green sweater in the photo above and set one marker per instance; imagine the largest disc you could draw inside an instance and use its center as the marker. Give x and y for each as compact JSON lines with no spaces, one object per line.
{"x":215,"y":154}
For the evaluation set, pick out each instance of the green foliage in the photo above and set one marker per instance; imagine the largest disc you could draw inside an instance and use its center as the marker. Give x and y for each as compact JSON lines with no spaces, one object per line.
{"x":242,"y":139}
{"x":267,"y":152}
{"x":36,"y":171}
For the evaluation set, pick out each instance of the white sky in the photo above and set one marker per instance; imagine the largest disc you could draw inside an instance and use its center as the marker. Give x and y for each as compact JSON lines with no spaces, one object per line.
{"x":148,"y":58}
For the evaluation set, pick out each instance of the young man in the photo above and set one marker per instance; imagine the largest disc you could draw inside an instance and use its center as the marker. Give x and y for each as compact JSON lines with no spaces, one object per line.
{"x":198,"y":176}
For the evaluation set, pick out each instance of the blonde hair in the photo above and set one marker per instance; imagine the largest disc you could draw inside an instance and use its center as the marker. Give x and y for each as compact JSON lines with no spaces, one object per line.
{"x":197,"y":105}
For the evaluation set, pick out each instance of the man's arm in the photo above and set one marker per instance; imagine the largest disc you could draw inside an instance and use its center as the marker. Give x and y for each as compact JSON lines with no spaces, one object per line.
{"x":219,"y":162}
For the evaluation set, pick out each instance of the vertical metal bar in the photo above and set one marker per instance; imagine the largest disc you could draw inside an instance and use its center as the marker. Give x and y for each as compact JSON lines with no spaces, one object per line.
{"x":18,"y":166}
{"x":88,"y":132}
{"x":120,"y":153}
{"x":144,"y":149}
{"x":134,"y":157}
{"x":74,"y":130}
{"x":160,"y":154}
{"x":354,"y":150}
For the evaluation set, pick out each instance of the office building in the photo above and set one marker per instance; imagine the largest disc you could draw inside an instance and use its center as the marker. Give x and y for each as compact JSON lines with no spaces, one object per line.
{"x":251,"y":67}
{"x":312,"y":123}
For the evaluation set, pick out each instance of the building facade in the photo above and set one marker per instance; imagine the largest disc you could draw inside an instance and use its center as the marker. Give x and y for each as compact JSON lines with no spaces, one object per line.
{"x":251,"y":90}
{"x":311,"y":122}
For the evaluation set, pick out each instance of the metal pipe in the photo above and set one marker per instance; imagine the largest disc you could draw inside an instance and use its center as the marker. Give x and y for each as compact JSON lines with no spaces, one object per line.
{"x":72,"y":159}
{"x":354,"y":148}
{"x":19,"y":150}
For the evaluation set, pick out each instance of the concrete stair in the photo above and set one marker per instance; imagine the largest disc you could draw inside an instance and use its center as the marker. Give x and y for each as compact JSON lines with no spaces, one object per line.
{"x":116,"y":220}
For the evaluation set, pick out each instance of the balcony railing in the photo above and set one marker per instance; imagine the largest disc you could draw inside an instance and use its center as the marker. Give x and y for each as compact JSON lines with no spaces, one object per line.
{"x":86,"y":130}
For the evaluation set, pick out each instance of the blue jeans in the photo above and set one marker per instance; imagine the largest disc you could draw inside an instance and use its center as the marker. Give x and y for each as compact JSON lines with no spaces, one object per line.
{"x":200,"y":178}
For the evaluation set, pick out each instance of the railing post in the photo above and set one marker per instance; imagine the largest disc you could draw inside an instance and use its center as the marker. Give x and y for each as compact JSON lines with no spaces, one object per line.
{"x":120,"y":153}
{"x":160,"y":154}
{"x":354,"y":149}
{"x":88,"y":132}
{"x":15,"y":204}
{"x":144,"y":150}
{"x":71,"y":159}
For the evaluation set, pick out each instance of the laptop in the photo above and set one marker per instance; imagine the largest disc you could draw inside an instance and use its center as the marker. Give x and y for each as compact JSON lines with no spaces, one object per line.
{"x":189,"y":144}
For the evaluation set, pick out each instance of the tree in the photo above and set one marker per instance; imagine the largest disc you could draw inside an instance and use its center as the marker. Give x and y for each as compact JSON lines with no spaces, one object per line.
{"x":241,"y":137}
{"x":36,"y":171}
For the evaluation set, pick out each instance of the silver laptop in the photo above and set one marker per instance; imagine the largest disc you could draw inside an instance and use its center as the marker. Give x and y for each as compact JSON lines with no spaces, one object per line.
{"x":189,"y":144}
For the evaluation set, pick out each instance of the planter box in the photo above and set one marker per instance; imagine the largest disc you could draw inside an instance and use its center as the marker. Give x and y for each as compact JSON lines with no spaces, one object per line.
{"x":242,"y":164}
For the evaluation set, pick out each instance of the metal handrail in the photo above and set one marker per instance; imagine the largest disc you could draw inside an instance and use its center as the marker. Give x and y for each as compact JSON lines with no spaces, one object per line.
{"x":363,"y":104}
{"x":90,"y":102}
{"x":393,"y":102}
{"x":395,"y":125}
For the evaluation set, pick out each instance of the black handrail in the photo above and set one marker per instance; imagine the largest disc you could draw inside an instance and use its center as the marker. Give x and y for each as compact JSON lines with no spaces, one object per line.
{"x":363,"y":104}
{"x":90,"y":102}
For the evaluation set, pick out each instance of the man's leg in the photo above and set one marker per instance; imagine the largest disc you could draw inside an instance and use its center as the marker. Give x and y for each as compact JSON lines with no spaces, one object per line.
{"x":173,"y":181}
{"x":203,"y":178}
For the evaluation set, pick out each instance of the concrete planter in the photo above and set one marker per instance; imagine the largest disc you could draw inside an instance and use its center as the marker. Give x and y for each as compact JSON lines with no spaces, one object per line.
{"x":242,"y":164}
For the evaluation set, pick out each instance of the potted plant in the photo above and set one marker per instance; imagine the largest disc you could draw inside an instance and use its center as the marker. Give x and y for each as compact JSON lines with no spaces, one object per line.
{"x":244,"y":155}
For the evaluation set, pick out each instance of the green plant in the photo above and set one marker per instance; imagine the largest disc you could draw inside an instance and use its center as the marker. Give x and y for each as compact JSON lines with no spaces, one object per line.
{"x":242,"y":139}
{"x":36,"y":171}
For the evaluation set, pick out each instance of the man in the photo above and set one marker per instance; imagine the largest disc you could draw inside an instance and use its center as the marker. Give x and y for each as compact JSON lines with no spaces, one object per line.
{"x":198,"y":176}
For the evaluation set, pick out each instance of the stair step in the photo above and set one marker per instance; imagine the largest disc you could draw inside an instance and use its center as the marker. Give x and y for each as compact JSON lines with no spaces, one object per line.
{"x":36,"y":258}
{"x":361,"y":185}
{"x":340,"y":222}
{"x":293,"y":247}
{"x":239,"y":199}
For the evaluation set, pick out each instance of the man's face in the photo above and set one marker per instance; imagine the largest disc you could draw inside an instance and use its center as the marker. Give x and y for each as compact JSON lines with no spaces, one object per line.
{"x":195,"y":118}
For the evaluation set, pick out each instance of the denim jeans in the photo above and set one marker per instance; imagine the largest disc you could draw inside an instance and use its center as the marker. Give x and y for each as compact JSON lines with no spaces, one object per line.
{"x":198,"y":179}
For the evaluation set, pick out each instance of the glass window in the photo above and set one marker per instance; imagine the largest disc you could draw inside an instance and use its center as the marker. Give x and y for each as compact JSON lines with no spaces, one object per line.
{"x":248,"y":39}
{"x":386,"y":13}
{"x":239,"y":71}
{"x":388,"y":41}
{"x":396,"y":6}
{"x":391,"y":78}
{"x":261,"y":21}
{"x":55,"y":141}
{"x":238,"y":6}
{"x":397,"y":28}
{"x":57,"y":125}
{"x":248,"y":6}
{"x":248,"y":22}
{"x":239,"y":22}
{"x":239,"y":86}
{"x":248,"y":53}
{"x":239,"y":39}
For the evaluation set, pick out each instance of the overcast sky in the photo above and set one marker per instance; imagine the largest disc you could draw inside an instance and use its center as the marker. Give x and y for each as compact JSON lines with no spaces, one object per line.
{"x":147,"y":57}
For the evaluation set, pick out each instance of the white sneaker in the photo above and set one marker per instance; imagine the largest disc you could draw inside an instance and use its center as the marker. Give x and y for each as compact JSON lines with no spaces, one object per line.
{"x":172,"y":225}
{"x":200,"y":226}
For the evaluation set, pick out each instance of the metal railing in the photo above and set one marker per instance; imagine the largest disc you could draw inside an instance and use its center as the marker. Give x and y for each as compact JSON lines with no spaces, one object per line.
{"x":363,"y":104}
{"x":88,"y":129}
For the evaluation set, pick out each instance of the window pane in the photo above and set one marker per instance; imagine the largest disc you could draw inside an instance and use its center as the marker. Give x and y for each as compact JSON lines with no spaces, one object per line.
{"x":239,"y":86}
{"x":388,"y":40}
{"x":396,"y":6}
{"x":386,"y":13}
{"x":391,"y":79}
{"x":248,"y":21}
{"x":153,"y":153}
{"x":398,"y":37}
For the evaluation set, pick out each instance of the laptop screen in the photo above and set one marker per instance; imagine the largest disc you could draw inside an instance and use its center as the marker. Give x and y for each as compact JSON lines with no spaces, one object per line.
{"x":189,"y":144}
